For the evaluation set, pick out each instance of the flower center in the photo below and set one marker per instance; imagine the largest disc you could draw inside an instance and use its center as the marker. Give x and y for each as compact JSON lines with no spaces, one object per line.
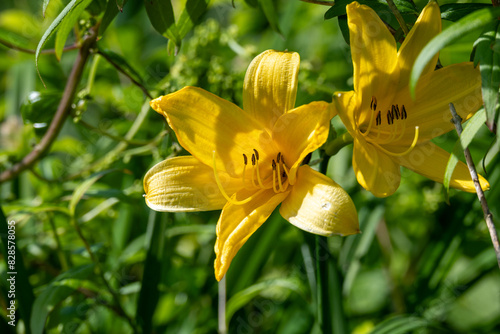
{"x":278,"y":181}
{"x":396,"y":119}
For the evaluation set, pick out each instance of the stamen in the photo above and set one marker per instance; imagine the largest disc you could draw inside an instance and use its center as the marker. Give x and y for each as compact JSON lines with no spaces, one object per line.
{"x":256,"y":154}
{"x":223,"y":192}
{"x":274,"y":177}
{"x":373,"y":104}
{"x":278,"y":159}
{"x":379,"y":118}
{"x":253,"y":171}
{"x":367,"y":132}
{"x":245,"y":162}
{"x":257,"y":168}
{"x":278,"y":171}
{"x":397,"y":113}
{"x":412,"y":146}
{"x":403,"y":113}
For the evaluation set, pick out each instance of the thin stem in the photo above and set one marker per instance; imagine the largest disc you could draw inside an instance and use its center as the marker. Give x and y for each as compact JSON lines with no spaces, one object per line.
{"x":222,"y":306}
{"x":320,"y":2}
{"x":335,"y":145}
{"x":322,"y":279}
{"x":31,"y":51}
{"x":93,"y":71}
{"x":399,"y":17}
{"x":119,"y":68}
{"x":63,"y":111}
{"x":488,"y":217}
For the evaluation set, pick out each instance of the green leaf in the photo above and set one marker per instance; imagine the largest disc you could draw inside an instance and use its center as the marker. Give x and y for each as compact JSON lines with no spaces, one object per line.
{"x":243,"y":297}
{"x":455,"y":11}
{"x":57,"y":291}
{"x":400,"y":325}
{"x":109,"y":15}
{"x":161,"y":16}
{"x":472,"y":127}
{"x":489,"y":65}
{"x":190,"y":15}
{"x":24,"y":291}
{"x":270,"y":13}
{"x":156,"y":259}
{"x":380,"y":6}
{"x":361,"y":244}
{"x":344,"y":28}
{"x":478,"y":19}
{"x":82,"y":189}
{"x":44,"y":6}
{"x":67,"y":25}
{"x":52,"y":28}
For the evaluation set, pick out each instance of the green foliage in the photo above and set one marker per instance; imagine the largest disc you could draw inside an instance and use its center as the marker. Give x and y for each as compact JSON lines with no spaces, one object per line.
{"x":420,"y":265}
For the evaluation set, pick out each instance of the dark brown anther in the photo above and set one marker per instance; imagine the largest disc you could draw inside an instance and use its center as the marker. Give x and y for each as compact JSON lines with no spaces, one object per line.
{"x":245,"y":160}
{"x":379,"y":118}
{"x":256,"y":154}
{"x":373,"y":104}
{"x":274,"y":164}
{"x":390,"y":117}
{"x":278,"y":159}
{"x":283,"y":174}
{"x":404,"y":115}
{"x":253,"y":159}
{"x":397,"y":112}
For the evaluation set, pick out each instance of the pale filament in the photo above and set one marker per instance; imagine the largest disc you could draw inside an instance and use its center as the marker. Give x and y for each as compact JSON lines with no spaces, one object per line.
{"x":223,"y":192}
{"x":395,"y":154}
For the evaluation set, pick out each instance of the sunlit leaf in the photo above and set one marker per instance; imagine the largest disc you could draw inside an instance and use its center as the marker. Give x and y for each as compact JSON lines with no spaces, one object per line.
{"x":67,"y":25}
{"x":477,"y":20}
{"x":44,"y":6}
{"x":53,"y":28}
{"x":190,"y":15}
{"x":489,"y":65}
{"x":161,"y":16}
{"x":400,"y":325}
{"x":271,"y":14}
{"x":82,"y":189}
{"x":472,"y":127}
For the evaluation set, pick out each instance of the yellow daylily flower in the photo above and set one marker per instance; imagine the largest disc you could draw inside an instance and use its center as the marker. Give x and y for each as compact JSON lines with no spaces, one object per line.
{"x":389,"y":129}
{"x":246,"y":162}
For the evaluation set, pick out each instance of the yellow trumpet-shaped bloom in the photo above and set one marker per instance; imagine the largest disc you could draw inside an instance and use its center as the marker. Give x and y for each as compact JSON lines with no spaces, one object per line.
{"x":389,"y":128}
{"x":246,"y":162}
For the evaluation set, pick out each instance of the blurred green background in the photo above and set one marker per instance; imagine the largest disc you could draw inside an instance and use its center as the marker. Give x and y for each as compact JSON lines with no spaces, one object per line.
{"x":420,"y":266}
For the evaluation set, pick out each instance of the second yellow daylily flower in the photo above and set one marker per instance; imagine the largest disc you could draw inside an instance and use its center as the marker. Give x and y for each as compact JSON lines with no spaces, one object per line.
{"x":246,"y":162}
{"x":389,"y":128}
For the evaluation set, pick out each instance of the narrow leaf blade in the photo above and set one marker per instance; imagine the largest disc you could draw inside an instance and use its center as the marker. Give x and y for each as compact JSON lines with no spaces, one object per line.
{"x":67,"y":24}
{"x":161,"y":16}
{"x":476,"y":20}
{"x":190,"y":15}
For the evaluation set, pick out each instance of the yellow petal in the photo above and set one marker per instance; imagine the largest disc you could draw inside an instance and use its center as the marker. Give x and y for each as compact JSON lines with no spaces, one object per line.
{"x":205,"y":123}
{"x":301,"y":131}
{"x":185,"y":184}
{"x":346,"y":105}
{"x":270,"y":86}
{"x":427,"y":26}
{"x":430,"y":161}
{"x":374,"y":55}
{"x":238,"y":222}
{"x":459,"y":84}
{"x":375,"y":170}
{"x":318,"y":205}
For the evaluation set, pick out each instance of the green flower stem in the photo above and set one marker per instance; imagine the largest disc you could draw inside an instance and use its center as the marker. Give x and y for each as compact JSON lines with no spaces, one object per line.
{"x":335,"y":145}
{"x":399,"y":17}
{"x":322,"y":291}
{"x":63,"y":258}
